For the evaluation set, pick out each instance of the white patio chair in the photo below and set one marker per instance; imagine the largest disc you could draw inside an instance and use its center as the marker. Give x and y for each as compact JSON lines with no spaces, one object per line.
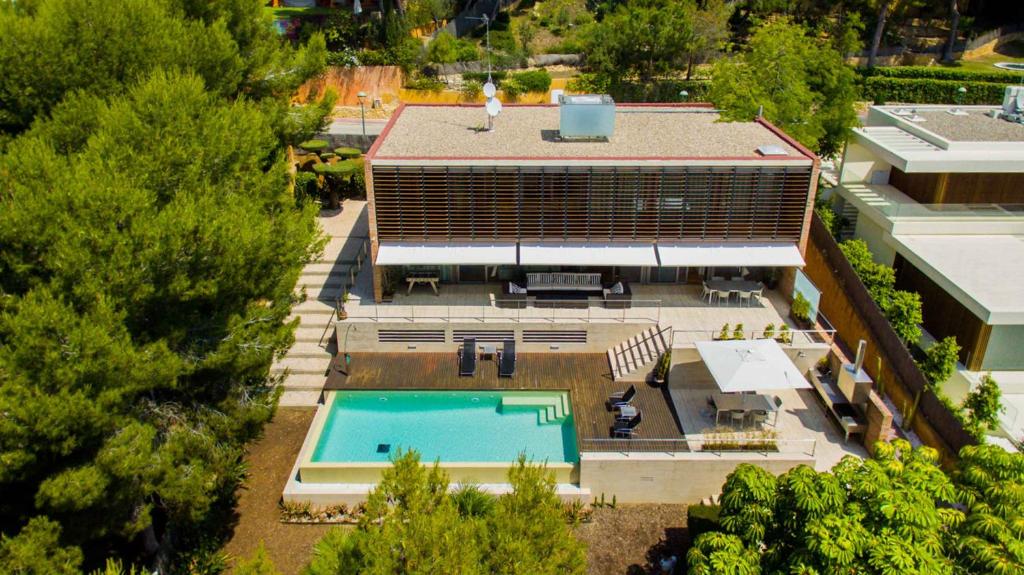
{"x":717,"y":278}
{"x":720,"y":295}
{"x":707,"y":293}
{"x":745,"y":296}
{"x":758,"y":295}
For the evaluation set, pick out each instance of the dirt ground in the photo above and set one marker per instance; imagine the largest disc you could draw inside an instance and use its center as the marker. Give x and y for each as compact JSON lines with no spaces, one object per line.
{"x":270,"y":461}
{"x":632,"y":539}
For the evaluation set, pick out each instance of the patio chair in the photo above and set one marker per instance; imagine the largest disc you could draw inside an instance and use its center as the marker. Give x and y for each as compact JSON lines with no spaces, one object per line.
{"x":717,"y":278}
{"x":467,"y":357}
{"x":738,"y":416}
{"x":707,"y":293}
{"x":620,"y":398}
{"x":722,"y":295}
{"x":627,"y":428}
{"x":758,"y":295}
{"x":745,"y":296}
{"x":758,"y":417}
{"x":507,"y":359}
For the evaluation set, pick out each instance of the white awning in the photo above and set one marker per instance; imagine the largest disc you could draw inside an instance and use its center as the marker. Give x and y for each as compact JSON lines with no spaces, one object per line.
{"x":587,"y":254}
{"x":405,"y":254}
{"x":729,"y":255}
{"x":750,"y":365}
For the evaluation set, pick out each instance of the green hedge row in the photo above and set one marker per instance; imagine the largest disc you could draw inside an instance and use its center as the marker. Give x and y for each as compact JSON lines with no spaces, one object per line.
{"x":880,"y":90}
{"x":515,"y":82}
{"x":940,"y":73}
{"x":656,"y":91}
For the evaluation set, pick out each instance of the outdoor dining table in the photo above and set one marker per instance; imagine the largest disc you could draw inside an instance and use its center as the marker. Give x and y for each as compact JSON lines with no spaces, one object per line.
{"x":746,"y":402}
{"x":734,"y":285}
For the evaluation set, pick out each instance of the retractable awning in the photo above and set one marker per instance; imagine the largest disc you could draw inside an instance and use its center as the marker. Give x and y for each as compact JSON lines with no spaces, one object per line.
{"x":730,"y":255}
{"x":587,"y":254}
{"x":406,"y":254}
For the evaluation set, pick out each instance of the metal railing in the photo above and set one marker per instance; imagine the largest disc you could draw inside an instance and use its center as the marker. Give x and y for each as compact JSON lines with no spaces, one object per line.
{"x":785,"y":338}
{"x":697,"y":444}
{"x":339,"y":300}
{"x":514,"y":311}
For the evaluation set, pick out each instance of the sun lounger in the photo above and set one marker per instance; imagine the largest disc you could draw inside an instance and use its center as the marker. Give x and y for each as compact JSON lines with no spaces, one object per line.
{"x":627,"y":428}
{"x":507,"y":359}
{"x":620,"y":398}
{"x":467,"y":357}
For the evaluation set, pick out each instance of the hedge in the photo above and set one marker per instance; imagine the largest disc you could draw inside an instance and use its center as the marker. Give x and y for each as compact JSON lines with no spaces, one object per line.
{"x":701,"y":519}
{"x":339,"y":169}
{"x":517,"y":82}
{"x":880,"y":90}
{"x":940,"y":73}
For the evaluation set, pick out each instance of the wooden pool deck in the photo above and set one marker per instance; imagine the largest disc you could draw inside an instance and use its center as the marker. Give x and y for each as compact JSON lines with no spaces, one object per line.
{"x":586,"y":376}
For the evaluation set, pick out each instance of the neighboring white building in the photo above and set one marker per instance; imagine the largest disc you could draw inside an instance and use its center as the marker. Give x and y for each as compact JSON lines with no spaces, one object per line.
{"x":937,"y":192}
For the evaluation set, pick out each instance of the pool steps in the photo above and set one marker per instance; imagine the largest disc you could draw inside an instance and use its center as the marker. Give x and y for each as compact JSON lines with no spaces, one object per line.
{"x":551,"y":408}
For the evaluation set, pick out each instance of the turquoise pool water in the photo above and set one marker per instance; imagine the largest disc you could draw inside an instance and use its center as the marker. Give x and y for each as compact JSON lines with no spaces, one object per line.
{"x":453,"y":426}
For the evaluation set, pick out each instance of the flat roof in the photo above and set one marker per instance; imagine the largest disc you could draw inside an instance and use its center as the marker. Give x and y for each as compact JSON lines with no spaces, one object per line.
{"x":944,"y":139}
{"x":971,"y":125}
{"x":530,"y":132}
{"x":983,"y":272}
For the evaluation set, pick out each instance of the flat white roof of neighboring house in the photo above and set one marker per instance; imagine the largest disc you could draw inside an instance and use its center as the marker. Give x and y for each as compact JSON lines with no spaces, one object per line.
{"x":528,"y":134}
{"x":984,"y":273}
{"x":406,"y":253}
{"x":729,"y":255}
{"x":930,"y":138}
{"x":587,"y":254}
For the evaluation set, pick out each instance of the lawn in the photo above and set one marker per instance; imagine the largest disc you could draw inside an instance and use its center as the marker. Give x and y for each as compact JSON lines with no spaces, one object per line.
{"x":1010,"y":52}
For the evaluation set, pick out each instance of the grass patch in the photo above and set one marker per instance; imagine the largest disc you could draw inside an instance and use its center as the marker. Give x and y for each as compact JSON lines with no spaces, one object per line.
{"x":1010,"y":52}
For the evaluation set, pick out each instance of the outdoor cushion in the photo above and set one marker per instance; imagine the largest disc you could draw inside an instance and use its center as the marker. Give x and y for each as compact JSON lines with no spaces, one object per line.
{"x":513,"y":288}
{"x":617,"y":289}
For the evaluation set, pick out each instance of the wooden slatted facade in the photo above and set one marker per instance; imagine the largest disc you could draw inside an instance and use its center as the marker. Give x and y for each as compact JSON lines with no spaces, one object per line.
{"x":591,"y":203}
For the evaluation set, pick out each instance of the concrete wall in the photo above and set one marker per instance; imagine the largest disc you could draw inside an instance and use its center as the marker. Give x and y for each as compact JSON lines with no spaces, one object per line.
{"x":1004,"y":351}
{"x":859,"y":164}
{"x":670,"y":477}
{"x":874,"y":236}
{"x":356,"y":336}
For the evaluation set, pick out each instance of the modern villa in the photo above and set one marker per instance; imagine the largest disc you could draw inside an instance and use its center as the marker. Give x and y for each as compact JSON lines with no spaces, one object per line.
{"x":937,"y":192}
{"x":522,"y":285}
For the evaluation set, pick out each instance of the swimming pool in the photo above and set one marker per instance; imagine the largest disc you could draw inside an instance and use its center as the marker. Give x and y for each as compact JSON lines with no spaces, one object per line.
{"x":474,"y":435}
{"x":448,"y":426}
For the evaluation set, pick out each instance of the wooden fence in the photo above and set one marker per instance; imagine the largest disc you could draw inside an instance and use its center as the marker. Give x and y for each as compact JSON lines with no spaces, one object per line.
{"x":855,"y":316}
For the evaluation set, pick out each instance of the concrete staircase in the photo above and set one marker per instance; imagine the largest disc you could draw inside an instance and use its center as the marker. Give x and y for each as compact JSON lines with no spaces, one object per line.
{"x":304,"y":367}
{"x":849,"y":215}
{"x":635,"y":358}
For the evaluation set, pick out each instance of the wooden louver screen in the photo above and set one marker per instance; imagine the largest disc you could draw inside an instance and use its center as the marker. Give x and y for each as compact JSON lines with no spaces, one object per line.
{"x":725,"y":203}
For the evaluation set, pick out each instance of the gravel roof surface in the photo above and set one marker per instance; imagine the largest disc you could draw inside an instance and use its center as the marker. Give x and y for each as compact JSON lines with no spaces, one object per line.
{"x":974,"y":127}
{"x":641,"y":132}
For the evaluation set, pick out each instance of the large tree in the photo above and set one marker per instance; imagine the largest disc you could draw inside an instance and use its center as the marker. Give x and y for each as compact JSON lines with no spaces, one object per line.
{"x":895,"y":513}
{"x":150,"y":245}
{"x":797,"y":81}
{"x":641,"y":39}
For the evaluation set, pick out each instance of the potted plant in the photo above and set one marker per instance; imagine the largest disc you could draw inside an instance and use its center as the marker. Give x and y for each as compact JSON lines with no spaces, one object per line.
{"x":724,"y":334}
{"x":800,"y":309}
{"x":738,"y":332}
{"x":769,"y":331}
{"x":662,"y":368}
{"x":784,"y":335}
{"x":342,"y":314}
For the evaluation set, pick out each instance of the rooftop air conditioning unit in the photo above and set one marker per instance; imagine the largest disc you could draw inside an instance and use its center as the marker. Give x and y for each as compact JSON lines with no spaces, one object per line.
{"x":586,"y":117}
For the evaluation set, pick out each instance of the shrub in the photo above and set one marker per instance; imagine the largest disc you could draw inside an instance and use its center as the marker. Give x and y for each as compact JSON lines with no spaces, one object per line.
{"x":471,"y":90}
{"x":533,"y":80}
{"x":566,"y":46}
{"x":627,"y":91}
{"x":940,"y":362}
{"x":801,"y":308}
{"x":471,"y":501}
{"x":447,"y":49}
{"x":481,"y":77}
{"x":348,"y":153}
{"x":769,"y":331}
{"x":664,"y":363}
{"x":426,"y":83}
{"x":724,"y":334}
{"x":702,"y":519}
{"x":314,"y":145}
{"x":784,"y":334}
{"x":344,"y":168}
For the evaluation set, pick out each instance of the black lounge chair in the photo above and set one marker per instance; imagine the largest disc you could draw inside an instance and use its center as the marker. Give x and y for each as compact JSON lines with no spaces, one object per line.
{"x":507,"y":359}
{"x":467,"y":357}
{"x":627,"y":428}
{"x":620,"y":398}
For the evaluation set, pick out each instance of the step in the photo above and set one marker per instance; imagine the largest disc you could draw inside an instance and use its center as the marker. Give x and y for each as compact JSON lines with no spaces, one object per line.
{"x":542,"y":416}
{"x":303,"y":381}
{"x":310,"y":349}
{"x":310,"y":365}
{"x":613,"y":363}
{"x":313,"y":306}
{"x":326,"y":268}
{"x":300,"y":398}
{"x":322,"y":280}
{"x":313,"y":334}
